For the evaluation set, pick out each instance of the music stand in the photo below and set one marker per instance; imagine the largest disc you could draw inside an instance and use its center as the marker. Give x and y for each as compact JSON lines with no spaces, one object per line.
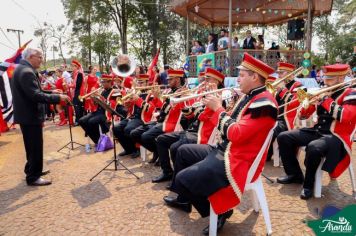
{"x":70,"y":144}
{"x":115,"y":158}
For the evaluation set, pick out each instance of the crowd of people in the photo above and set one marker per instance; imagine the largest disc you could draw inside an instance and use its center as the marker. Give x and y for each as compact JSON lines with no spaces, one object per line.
{"x":205,"y":138}
{"x":221,"y":42}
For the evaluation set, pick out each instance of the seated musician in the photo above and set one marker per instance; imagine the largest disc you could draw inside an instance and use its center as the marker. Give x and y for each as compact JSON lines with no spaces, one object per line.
{"x":219,"y":174}
{"x":329,"y":138}
{"x":133,"y":105}
{"x":91,"y":122}
{"x":167,"y":120}
{"x":286,"y":92}
{"x":199,"y":131}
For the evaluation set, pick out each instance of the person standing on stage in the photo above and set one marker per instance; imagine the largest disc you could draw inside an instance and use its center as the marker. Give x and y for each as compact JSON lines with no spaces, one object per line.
{"x":79,"y":90}
{"x":330,"y":138}
{"x":29,"y":104}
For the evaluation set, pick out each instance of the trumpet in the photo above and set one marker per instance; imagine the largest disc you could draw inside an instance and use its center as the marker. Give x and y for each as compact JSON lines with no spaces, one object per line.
{"x":226,"y":96}
{"x":151,"y":87}
{"x":271,"y":87}
{"x":82,"y":98}
{"x":187,"y":98}
{"x":306,"y":98}
{"x":181,"y":93}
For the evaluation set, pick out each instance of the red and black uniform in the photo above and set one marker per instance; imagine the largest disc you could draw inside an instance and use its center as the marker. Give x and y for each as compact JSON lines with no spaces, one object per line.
{"x":225,"y":168}
{"x":331,"y":137}
{"x":91,"y":84}
{"x":79,"y":90}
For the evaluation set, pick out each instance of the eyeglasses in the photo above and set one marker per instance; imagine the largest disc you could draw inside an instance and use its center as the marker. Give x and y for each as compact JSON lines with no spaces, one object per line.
{"x":40,"y":57}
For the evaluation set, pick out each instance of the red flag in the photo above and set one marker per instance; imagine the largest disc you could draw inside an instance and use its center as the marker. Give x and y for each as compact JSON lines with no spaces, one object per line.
{"x":150,"y":71}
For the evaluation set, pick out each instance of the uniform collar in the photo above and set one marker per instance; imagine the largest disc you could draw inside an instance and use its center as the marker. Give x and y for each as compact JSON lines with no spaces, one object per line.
{"x":257,"y":90}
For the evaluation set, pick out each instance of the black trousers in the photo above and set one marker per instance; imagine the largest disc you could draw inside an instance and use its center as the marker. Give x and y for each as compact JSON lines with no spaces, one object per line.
{"x":281,"y":127}
{"x":169,"y":143}
{"x":122,"y":133}
{"x":91,"y":122}
{"x":33,"y":141}
{"x":201,"y":179}
{"x":317,"y":147}
{"x":78,"y":108}
{"x":136,"y":134}
{"x":148,"y":138}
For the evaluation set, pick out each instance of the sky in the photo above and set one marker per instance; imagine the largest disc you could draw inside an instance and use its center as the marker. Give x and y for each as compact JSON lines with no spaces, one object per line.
{"x":26,"y":15}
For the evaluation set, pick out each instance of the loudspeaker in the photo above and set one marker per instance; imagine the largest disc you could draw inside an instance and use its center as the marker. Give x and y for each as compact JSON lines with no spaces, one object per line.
{"x":295,"y":29}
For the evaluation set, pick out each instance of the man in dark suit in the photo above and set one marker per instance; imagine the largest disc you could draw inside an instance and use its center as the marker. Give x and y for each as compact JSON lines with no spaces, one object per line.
{"x":249,"y":42}
{"x":29,"y":109}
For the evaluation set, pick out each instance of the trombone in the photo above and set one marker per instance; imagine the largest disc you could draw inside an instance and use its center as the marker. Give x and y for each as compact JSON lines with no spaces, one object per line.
{"x":306,"y":98}
{"x":271,"y":87}
{"x":82,"y":98}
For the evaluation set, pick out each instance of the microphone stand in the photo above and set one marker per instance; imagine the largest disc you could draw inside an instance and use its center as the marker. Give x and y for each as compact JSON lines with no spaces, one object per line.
{"x":115,"y":159}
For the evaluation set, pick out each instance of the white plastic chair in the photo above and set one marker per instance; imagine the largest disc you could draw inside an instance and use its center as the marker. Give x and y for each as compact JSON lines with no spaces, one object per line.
{"x":259,"y":197}
{"x":319,"y":178}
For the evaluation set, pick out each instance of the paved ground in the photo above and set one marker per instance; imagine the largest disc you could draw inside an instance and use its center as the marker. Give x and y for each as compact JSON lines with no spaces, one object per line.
{"x":115,"y":203}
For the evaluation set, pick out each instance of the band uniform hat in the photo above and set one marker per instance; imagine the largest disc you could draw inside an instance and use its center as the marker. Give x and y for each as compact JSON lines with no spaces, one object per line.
{"x":335,"y":70}
{"x":77,"y":63}
{"x":210,"y":72}
{"x":175,"y":73}
{"x":201,"y":75}
{"x":255,"y":65}
{"x":128,"y":81}
{"x":144,"y":77}
{"x":272,"y":77}
{"x":106,"y":77}
{"x":283,"y":66}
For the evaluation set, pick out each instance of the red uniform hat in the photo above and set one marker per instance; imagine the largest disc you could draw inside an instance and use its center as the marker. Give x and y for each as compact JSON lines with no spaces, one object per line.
{"x":106,"y":77}
{"x":271,"y":78}
{"x":128,"y":81}
{"x":210,"y":72}
{"x":143,"y":77}
{"x":175,"y":73}
{"x":255,"y":65}
{"x":201,"y":75}
{"x":335,"y":70}
{"x":285,"y":66}
{"x":75,"y":62}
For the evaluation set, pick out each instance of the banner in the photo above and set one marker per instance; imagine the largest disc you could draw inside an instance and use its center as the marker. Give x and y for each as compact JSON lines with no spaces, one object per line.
{"x":201,"y":61}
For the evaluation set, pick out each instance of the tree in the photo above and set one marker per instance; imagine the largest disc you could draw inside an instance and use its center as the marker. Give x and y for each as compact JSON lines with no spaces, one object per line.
{"x":43,"y":32}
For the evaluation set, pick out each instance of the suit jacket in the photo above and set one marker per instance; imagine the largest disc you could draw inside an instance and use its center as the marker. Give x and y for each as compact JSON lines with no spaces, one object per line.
{"x":250,"y":43}
{"x":28,"y":97}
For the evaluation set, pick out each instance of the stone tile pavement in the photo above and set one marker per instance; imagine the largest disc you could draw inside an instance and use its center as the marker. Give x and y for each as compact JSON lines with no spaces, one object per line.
{"x":116,"y":203}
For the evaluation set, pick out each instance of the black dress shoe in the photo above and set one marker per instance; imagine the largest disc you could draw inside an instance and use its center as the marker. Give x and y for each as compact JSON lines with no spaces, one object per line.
{"x":46,"y":172}
{"x":154,"y":159}
{"x":135,"y":154}
{"x":40,"y":182}
{"x":221,"y":221}
{"x":124,"y":153}
{"x":76,"y":124}
{"x":290,"y":179}
{"x":162,"y":178}
{"x":168,"y":187}
{"x":173,"y":202}
{"x":306,"y":194}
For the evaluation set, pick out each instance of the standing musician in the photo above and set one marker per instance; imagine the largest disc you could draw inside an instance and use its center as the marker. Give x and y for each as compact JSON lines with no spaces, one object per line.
{"x":284,"y":95}
{"x":63,"y":87}
{"x":199,"y":132}
{"x":91,"y":122}
{"x":331,"y":137}
{"x":219,"y":174}
{"x":91,"y":83}
{"x":134,"y":109}
{"x":79,"y":90}
{"x":167,"y":120}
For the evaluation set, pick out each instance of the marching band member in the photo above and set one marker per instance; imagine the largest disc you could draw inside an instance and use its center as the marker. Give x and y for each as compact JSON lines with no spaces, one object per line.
{"x":285,"y":94}
{"x":199,"y":131}
{"x":62,"y":86}
{"x":91,"y":83}
{"x":79,"y":90}
{"x":134,"y":109}
{"x":167,"y":120}
{"x":90,"y":122}
{"x":330,"y":137}
{"x":219,"y":174}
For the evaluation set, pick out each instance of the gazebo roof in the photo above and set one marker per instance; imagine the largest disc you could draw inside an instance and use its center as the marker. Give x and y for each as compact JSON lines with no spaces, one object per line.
{"x":246,"y":12}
